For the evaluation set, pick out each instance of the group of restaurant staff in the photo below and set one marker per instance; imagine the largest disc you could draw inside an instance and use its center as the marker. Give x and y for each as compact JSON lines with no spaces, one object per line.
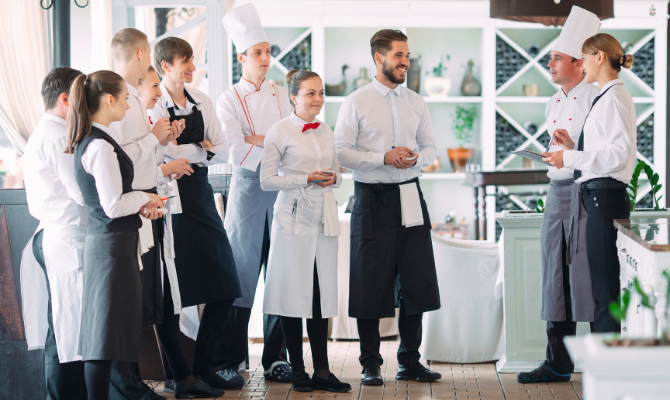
{"x":129,"y":234}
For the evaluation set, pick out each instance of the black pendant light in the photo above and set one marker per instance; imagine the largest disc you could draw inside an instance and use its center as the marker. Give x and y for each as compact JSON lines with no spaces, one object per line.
{"x":548,"y":12}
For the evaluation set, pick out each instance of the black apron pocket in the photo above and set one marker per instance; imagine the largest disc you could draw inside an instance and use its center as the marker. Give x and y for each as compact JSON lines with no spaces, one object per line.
{"x":362,"y":224}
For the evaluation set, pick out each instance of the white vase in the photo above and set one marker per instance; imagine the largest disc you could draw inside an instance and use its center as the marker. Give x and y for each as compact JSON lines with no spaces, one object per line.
{"x":437,"y":87}
{"x":612,"y":373}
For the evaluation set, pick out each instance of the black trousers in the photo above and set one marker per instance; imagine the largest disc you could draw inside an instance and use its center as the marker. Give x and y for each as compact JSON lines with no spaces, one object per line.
{"x":603,"y":207}
{"x":210,"y":335}
{"x":63,"y":381}
{"x":235,"y":345}
{"x":317,"y":331}
{"x":558,"y":357}
{"x":410,"y":329}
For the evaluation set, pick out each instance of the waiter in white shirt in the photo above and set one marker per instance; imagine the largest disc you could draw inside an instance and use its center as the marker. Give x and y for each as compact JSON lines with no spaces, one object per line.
{"x":603,"y":159}
{"x":54,"y":199}
{"x":384,"y":134}
{"x":247,"y":110}
{"x":566,"y":283}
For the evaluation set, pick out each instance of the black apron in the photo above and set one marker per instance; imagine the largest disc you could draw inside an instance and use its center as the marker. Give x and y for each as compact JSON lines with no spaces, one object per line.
{"x":152,"y":281}
{"x":111,"y":320}
{"x":203,"y":257}
{"x":388,"y":261}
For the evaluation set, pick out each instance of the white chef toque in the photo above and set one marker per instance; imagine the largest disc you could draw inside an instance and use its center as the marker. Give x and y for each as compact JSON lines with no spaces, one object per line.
{"x":244,"y":27}
{"x":580,"y":25}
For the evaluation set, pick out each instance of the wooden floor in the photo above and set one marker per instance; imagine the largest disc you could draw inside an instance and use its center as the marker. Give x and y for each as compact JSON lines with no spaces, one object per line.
{"x":459,"y":381}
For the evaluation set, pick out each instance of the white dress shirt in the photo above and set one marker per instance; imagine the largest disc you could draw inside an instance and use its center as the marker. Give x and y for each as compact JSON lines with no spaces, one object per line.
{"x":610,"y":138}
{"x":245,"y":111}
{"x":100,"y":160}
{"x":51,"y":189}
{"x":138,"y":142}
{"x":568,"y":111}
{"x":373,"y":120}
{"x":297,"y":154}
{"x":213,"y":131}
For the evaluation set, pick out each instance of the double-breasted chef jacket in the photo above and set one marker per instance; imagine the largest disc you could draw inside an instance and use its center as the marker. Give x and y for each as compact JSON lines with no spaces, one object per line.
{"x":246,"y":111}
{"x":372,"y":121}
{"x":305,"y":225}
{"x":111,"y":320}
{"x":566,"y":111}
{"x":205,"y":264}
{"x":140,"y":145}
{"x":55,"y":200}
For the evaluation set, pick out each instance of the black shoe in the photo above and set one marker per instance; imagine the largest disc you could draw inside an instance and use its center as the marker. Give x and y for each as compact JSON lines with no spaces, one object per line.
{"x":332,"y":384}
{"x":199,"y":389}
{"x":152,"y":394}
{"x":280,"y":371}
{"x":217,"y":382}
{"x":542,"y":374}
{"x":232,"y":375}
{"x":168,"y":387}
{"x":415,"y":371}
{"x":302,"y":383}
{"x":372,"y":374}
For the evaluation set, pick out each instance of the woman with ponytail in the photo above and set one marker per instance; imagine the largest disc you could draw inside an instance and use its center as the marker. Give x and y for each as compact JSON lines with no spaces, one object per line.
{"x":603,"y":160}
{"x":301,"y":278}
{"x":111,"y":315}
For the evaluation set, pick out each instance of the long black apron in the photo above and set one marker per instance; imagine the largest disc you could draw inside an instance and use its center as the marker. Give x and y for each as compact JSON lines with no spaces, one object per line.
{"x":203,"y":257}
{"x":388,"y":261}
{"x":152,"y":283}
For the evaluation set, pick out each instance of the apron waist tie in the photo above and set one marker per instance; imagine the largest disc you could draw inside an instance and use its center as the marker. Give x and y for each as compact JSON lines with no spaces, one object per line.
{"x":298,"y":210}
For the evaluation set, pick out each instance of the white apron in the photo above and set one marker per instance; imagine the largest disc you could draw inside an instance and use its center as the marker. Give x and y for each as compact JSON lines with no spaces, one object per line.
{"x":298,"y":240}
{"x":62,"y":246}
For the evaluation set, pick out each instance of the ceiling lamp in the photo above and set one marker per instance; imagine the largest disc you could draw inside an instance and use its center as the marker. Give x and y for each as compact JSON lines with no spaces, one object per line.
{"x":548,"y":12}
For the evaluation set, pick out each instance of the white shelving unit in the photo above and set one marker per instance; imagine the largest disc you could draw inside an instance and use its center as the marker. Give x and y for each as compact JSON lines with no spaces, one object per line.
{"x":340,"y":33}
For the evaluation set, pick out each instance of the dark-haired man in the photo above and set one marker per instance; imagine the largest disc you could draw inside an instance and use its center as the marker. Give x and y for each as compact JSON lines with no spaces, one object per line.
{"x":384,"y":134}
{"x":52,"y":306}
{"x":566,"y":281}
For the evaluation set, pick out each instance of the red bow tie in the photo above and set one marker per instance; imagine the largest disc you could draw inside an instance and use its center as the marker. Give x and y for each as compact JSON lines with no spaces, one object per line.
{"x":310,"y":126}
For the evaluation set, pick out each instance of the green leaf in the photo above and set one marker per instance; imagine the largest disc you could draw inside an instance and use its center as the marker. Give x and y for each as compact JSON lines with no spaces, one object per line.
{"x":540,"y":202}
{"x":644,"y":297}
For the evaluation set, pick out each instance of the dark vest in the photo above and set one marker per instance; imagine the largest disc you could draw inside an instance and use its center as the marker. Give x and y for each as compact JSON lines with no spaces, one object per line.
{"x":97,"y":220}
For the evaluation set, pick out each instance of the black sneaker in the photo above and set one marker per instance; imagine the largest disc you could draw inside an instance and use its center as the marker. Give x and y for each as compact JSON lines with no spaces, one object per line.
{"x":168,"y":387}
{"x":332,"y":384}
{"x":280,"y":371}
{"x":302,"y":383}
{"x":543,"y":373}
{"x":232,"y":375}
{"x":415,"y":371}
{"x":197,"y":390}
{"x":372,"y":374}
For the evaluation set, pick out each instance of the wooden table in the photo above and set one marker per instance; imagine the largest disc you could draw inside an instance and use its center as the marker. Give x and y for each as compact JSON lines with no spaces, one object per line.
{"x":482,"y":179}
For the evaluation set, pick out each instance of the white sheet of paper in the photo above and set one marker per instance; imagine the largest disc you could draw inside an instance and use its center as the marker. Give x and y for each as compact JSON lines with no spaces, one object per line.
{"x":253,"y":158}
{"x":410,"y":205}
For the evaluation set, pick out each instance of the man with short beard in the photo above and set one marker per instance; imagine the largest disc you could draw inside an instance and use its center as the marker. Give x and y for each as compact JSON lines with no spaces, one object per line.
{"x":384,"y":134}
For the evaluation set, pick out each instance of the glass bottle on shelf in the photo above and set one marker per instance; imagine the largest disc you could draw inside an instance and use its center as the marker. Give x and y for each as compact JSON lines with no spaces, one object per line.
{"x":362,"y":79}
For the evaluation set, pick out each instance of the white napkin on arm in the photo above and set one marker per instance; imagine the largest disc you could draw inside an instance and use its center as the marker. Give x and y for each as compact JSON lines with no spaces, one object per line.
{"x":412,"y":215}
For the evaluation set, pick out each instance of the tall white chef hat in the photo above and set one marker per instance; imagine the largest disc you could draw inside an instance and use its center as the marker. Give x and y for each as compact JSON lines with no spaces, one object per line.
{"x":244,"y":26}
{"x":580,"y":25}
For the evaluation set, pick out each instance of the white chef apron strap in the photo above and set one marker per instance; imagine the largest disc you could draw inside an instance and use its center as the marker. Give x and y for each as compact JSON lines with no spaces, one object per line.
{"x":169,"y":254}
{"x":410,"y":204}
{"x":298,"y":211}
{"x":331,"y":222}
{"x":34,"y":297}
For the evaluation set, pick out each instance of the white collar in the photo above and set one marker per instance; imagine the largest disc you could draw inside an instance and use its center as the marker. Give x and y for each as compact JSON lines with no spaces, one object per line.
{"x":610,"y":84}
{"x":105,"y":129}
{"x":299,"y":122}
{"x":54,"y":118}
{"x":168,"y":99}
{"x":383,"y":89}
{"x":133,"y":90}
{"x":250,"y":87}
{"x":574,"y":90}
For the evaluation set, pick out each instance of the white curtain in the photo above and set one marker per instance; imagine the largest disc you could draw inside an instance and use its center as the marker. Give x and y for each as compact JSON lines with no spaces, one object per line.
{"x":23,"y":66}
{"x":101,"y":34}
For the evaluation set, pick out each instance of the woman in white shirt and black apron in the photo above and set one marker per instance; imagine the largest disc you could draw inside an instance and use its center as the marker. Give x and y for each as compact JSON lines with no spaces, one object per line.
{"x":301,"y":278}
{"x":603,"y":160}
{"x":111,"y":319}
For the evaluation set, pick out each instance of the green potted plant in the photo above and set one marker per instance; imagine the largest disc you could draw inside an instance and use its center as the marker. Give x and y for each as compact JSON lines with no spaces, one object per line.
{"x":463,"y":121}
{"x":438,"y":85}
{"x":634,"y":185}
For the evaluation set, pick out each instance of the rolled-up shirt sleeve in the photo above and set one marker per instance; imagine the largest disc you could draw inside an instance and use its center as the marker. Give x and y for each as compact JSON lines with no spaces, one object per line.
{"x":346,"y":134}
{"x":613,"y":157}
{"x":273,"y":151}
{"x":100,"y":160}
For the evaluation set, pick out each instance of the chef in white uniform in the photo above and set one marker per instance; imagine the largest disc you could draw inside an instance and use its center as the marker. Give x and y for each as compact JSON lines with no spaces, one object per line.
{"x":247,"y":110}
{"x":603,"y":159}
{"x":302,"y":265}
{"x":55,"y":200}
{"x":566,"y":283}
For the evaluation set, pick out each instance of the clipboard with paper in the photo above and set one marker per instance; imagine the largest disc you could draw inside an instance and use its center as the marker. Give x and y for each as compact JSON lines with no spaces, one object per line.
{"x":530,"y":155}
